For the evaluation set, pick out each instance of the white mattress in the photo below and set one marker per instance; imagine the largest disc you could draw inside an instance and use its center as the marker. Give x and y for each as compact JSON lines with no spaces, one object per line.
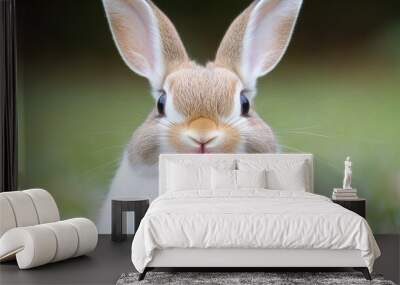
{"x":257,"y":219}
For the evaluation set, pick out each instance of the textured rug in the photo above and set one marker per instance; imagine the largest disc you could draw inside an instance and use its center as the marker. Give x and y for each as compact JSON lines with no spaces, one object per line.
{"x":244,"y":278}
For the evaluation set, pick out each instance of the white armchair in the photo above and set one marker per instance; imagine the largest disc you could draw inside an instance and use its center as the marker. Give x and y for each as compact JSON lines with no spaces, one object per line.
{"x":31,"y":230}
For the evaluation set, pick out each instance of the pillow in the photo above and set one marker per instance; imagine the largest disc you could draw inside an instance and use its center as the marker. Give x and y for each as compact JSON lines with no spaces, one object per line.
{"x":182,"y":178}
{"x":231,"y":180}
{"x":281,"y":174}
{"x":289,"y":179}
{"x":223,"y":179}
{"x":251,"y":179}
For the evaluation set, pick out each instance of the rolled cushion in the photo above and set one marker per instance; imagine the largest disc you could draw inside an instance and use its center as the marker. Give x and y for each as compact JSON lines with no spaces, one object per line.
{"x":23,"y":208}
{"x":7,"y":220}
{"x":32,"y":246}
{"x":37,"y":245}
{"x":26,"y":208}
{"x":67,"y":240}
{"x":46,"y":207}
{"x":87,"y":235}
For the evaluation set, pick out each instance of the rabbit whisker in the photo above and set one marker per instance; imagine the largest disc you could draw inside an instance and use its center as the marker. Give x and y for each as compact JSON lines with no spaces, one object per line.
{"x":291,"y":148}
{"x":237,"y":123}
{"x":120,"y":146}
{"x":317,"y":157}
{"x":359,"y":139}
{"x":112,"y":163}
{"x":303,"y":128}
{"x":310,"y":134}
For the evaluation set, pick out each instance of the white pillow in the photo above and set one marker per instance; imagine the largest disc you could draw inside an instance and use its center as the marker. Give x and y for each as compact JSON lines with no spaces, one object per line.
{"x":251,"y":179}
{"x":231,"y":180}
{"x":281,"y":174}
{"x":293,"y":179}
{"x":183,"y":178}
{"x":223,"y":179}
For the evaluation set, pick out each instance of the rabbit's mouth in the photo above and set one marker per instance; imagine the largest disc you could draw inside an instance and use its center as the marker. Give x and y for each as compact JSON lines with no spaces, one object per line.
{"x":205,"y":145}
{"x":205,"y":148}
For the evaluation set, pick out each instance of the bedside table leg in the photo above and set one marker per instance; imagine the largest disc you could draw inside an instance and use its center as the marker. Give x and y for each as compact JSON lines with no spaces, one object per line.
{"x":116,"y":222}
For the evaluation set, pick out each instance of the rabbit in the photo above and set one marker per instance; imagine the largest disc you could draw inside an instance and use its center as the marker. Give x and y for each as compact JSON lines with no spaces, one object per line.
{"x":198,"y":109}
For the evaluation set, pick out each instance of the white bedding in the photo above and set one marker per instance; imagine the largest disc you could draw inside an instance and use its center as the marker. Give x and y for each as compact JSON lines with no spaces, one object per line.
{"x":250,"y":219}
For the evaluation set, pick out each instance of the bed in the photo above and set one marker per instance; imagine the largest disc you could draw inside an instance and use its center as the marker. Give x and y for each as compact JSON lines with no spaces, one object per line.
{"x":245,"y":211}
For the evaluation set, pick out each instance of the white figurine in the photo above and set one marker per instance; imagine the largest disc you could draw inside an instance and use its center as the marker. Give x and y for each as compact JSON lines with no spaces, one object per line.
{"x":347,"y":174}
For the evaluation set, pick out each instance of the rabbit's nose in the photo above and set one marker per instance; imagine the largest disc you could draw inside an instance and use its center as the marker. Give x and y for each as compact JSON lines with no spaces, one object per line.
{"x":202,"y":131}
{"x":202,"y":125}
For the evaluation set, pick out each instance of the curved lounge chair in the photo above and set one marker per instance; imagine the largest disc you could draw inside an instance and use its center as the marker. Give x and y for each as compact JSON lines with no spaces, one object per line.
{"x":31,"y":231}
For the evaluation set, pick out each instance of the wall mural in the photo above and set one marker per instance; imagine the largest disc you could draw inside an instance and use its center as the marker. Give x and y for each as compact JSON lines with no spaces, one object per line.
{"x":90,"y":128}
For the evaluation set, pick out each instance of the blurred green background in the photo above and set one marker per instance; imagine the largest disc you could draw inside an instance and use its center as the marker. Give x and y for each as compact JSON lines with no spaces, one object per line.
{"x":335,"y":93}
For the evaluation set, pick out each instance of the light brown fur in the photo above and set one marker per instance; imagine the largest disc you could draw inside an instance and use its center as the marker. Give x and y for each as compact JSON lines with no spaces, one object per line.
{"x":173,"y":49}
{"x":229,"y":51}
{"x":202,"y":91}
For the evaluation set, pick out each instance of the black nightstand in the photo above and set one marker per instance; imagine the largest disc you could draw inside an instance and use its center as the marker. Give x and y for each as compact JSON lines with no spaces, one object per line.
{"x":118,"y":218}
{"x":358,"y":206}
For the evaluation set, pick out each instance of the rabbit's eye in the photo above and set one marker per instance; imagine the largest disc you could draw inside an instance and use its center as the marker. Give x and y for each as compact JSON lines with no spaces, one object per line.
{"x":161,"y":103}
{"x":245,"y":104}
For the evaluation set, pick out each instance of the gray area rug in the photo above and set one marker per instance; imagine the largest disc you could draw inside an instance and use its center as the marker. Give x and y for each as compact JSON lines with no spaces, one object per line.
{"x":233,"y":278}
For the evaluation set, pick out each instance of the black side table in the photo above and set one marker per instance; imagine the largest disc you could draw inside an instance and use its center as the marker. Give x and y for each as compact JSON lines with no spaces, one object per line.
{"x":358,"y":206}
{"x":121,"y":205}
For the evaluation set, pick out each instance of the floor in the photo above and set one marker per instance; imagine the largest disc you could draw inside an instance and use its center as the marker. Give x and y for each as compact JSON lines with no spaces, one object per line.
{"x":110,"y":260}
{"x":103,"y":266}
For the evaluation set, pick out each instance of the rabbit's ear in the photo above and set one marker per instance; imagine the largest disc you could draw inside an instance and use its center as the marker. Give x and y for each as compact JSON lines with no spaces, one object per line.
{"x":145,"y":37}
{"x":258,"y":38}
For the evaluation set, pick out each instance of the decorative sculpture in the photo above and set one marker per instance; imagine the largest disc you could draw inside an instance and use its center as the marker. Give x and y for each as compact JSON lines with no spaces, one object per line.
{"x":347,"y":174}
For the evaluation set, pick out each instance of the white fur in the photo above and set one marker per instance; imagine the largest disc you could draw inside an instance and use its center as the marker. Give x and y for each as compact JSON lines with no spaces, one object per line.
{"x":263,"y":44}
{"x":129,"y":181}
{"x":172,"y":114}
{"x":237,"y":107}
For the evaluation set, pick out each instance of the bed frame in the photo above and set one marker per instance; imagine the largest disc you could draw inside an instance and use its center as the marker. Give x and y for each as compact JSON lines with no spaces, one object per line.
{"x":260,"y":259}
{"x":245,"y":259}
